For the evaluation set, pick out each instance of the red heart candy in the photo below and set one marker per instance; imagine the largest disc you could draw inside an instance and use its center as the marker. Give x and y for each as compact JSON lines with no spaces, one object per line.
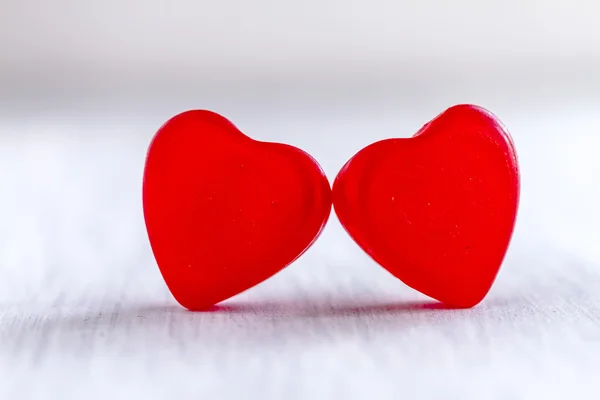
{"x":224,"y":212}
{"x":436,"y":210}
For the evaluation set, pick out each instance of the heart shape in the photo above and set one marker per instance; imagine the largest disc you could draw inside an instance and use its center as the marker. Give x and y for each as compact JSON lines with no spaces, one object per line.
{"x":436,"y":210}
{"x":224,"y":212}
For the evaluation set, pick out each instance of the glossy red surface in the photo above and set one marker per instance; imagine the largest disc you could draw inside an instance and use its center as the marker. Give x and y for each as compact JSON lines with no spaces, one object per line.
{"x":436,"y":210}
{"x":225,"y":212}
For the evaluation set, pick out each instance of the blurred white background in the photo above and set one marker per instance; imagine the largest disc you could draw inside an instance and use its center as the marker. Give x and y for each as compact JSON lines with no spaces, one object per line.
{"x":291,"y":48}
{"x":84,"y":85}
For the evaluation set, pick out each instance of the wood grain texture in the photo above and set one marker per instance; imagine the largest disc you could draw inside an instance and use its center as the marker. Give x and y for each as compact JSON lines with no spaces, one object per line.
{"x":84,"y":312}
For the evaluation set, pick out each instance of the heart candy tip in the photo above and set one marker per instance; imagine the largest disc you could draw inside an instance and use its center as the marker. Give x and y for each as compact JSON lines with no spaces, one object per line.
{"x":460,"y":304}
{"x":194,"y":303}
{"x":200,"y":307}
{"x":453,"y":306}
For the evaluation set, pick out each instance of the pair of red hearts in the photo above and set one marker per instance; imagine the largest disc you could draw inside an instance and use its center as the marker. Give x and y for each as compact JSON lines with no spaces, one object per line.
{"x":225,"y":212}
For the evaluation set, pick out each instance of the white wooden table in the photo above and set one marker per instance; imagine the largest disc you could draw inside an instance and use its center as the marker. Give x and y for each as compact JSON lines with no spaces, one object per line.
{"x":84,"y":313}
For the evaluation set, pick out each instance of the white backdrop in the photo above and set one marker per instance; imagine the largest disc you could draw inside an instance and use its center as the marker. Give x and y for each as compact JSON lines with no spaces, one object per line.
{"x":84,"y":86}
{"x":72,"y":46}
